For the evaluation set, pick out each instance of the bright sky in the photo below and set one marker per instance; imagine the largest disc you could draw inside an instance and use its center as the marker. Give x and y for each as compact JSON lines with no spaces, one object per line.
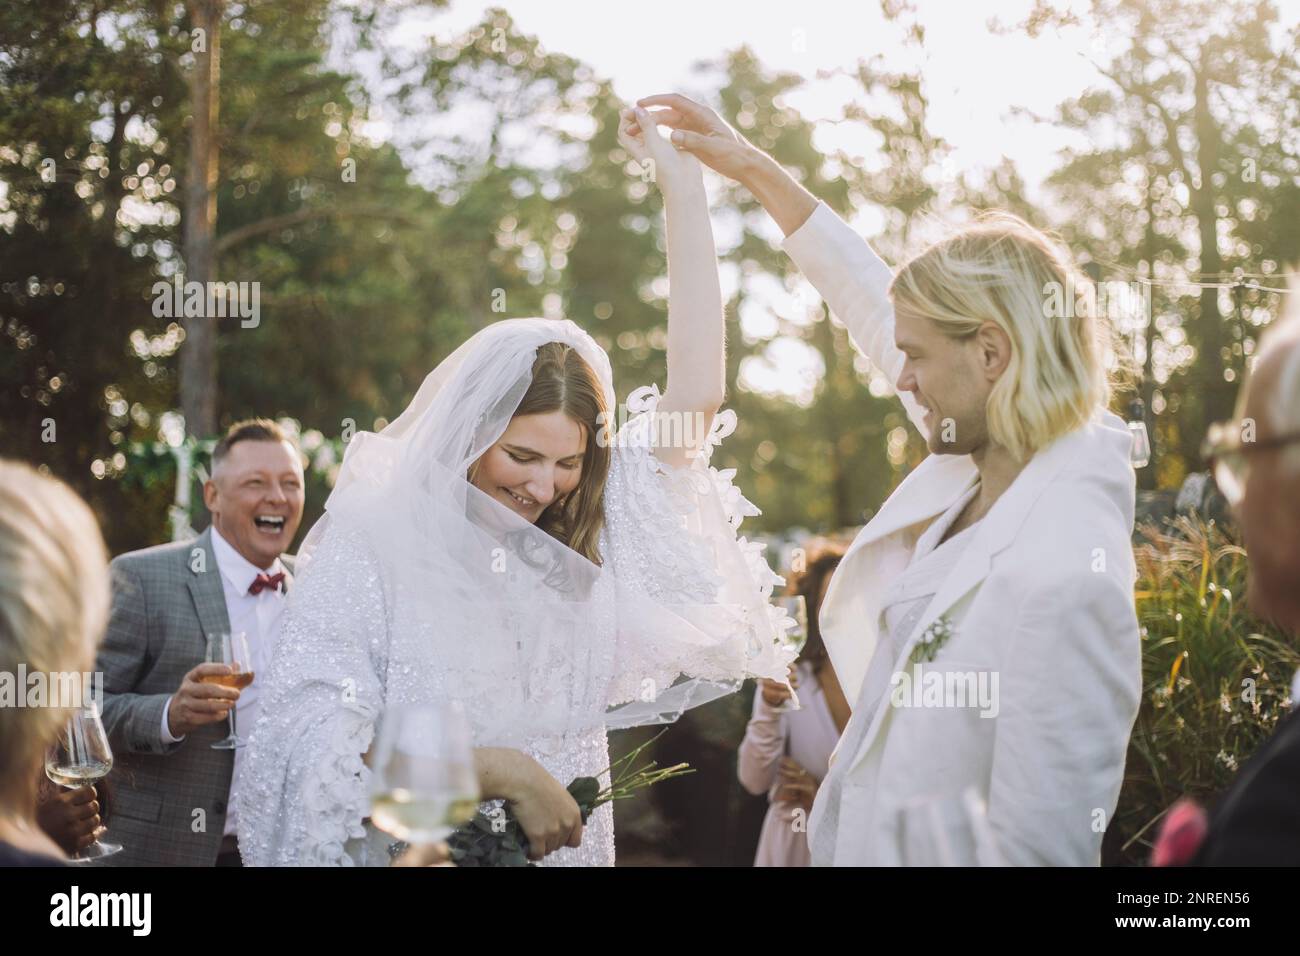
{"x":973,"y":76}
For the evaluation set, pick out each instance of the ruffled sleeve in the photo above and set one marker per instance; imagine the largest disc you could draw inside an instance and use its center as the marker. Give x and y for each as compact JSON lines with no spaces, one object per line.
{"x":304,"y":789}
{"x":694,"y":592}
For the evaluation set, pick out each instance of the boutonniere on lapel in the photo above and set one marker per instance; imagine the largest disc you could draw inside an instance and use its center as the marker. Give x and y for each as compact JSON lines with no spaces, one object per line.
{"x":935,"y":636}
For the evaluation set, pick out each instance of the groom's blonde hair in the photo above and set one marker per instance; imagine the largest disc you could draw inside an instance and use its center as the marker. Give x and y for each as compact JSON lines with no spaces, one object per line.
{"x":1002,"y":270}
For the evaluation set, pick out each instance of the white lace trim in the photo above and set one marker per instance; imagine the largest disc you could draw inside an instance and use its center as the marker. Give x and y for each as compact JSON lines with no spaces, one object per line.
{"x":681,"y":561}
{"x":336,"y":791}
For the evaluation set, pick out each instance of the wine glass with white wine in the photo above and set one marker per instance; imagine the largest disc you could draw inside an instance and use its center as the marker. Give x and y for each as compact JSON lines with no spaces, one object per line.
{"x":424,"y":783}
{"x":81,"y":758}
{"x":794,"y":637}
{"x":231,"y":650}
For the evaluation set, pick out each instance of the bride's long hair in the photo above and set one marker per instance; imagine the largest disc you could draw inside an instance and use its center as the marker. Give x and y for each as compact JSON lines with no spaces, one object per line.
{"x":564,"y":382}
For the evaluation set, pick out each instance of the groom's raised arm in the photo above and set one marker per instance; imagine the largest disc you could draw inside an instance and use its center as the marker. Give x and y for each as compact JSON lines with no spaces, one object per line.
{"x":854,"y":281}
{"x":696,"y":324}
{"x":841,"y":265}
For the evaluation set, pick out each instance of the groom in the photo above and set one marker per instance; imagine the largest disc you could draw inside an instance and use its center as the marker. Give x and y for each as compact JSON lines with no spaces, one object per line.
{"x":1001,"y":563}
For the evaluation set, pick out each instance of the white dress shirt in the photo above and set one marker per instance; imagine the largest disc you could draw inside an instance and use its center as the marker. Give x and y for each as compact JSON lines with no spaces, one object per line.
{"x":257,"y":616}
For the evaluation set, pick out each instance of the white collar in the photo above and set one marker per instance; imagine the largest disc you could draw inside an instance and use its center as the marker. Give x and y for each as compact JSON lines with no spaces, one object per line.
{"x":235,"y":568}
{"x":929,"y":539}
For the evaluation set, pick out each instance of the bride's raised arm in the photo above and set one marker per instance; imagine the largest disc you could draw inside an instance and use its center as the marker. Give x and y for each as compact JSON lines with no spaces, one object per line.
{"x":696,"y":330}
{"x":693,"y":593}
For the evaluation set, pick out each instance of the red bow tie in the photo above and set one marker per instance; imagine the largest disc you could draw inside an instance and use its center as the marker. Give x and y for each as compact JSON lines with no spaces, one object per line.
{"x":264,"y":581}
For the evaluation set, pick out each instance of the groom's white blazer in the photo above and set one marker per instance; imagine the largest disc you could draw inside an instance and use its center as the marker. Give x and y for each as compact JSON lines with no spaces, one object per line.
{"x":1042,"y":597}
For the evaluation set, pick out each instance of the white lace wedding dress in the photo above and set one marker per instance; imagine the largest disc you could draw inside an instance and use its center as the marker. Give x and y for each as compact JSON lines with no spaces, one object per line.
{"x":669,"y":542}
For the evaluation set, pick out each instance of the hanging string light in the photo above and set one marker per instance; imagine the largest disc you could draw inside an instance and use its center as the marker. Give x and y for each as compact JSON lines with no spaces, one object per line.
{"x":1140,"y":455}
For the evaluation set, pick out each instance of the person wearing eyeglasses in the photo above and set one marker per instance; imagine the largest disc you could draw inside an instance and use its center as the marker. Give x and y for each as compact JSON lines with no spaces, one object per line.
{"x":1255,"y":461}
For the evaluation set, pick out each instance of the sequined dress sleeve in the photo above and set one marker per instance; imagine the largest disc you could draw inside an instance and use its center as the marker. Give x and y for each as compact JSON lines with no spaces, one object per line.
{"x":304,"y":792}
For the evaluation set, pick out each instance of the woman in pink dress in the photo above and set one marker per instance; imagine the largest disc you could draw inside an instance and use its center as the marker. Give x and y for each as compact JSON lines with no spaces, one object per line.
{"x":786,"y":754}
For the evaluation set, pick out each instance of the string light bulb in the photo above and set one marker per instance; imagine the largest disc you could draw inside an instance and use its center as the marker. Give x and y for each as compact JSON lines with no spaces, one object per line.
{"x":1140,"y":455}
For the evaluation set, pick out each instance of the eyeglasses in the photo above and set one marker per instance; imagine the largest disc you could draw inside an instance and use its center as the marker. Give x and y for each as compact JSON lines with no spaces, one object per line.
{"x":1228,"y":454}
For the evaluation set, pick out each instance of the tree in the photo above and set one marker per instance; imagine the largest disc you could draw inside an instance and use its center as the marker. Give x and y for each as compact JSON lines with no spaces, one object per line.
{"x":198,"y":357}
{"x":1194,"y":148}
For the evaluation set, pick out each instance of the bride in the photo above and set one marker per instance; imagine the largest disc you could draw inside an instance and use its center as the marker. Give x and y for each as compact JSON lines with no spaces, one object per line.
{"x":501,"y":544}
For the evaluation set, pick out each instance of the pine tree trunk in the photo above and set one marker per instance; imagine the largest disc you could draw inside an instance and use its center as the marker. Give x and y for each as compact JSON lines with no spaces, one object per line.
{"x":1146,"y":477}
{"x":1216,"y":392}
{"x":198,"y":358}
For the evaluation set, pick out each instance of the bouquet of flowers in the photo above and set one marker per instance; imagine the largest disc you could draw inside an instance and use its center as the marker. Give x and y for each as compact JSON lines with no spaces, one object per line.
{"x":497,"y":839}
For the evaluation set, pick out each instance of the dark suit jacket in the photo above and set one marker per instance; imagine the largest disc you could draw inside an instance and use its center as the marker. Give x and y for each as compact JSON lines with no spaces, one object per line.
{"x":170,"y":798}
{"x":1257,"y":821}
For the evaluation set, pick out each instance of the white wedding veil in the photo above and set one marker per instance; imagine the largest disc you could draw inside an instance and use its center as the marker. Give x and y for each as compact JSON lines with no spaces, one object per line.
{"x":486,"y":608}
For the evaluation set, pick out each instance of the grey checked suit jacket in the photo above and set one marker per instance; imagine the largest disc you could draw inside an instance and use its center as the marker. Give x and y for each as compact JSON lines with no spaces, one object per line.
{"x":165,"y":600}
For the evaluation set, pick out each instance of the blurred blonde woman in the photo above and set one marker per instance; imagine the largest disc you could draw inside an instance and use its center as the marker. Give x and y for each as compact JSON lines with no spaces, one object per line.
{"x":982,"y":624}
{"x":54,"y":598}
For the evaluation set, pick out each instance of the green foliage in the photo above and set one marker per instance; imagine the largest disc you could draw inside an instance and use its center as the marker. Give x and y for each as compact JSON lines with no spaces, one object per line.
{"x":1190,"y":169}
{"x":1215,"y":679}
{"x":369,"y":280}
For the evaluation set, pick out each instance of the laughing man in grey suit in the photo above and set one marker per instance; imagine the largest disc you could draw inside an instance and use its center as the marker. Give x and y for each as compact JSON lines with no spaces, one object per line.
{"x":176,"y":794}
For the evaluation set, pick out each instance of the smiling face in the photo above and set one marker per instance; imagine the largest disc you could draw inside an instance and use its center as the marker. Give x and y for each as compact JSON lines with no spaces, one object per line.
{"x":537,"y":460}
{"x":256,"y":498}
{"x":1018,"y":369}
{"x":949,"y":378}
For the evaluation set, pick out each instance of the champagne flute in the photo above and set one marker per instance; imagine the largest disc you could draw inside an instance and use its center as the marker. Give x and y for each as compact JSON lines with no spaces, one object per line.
{"x":424,"y":783}
{"x":231,"y":650}
{"x":794,"y":637}
{"x":949,"y":830}
{"x":82,"y":757}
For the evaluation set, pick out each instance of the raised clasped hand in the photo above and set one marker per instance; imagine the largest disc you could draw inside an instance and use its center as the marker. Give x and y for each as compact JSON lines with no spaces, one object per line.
{"x":663,"y":163}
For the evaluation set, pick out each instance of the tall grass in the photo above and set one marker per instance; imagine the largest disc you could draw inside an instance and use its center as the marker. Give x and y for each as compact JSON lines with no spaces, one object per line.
{"x":1216,"y":680}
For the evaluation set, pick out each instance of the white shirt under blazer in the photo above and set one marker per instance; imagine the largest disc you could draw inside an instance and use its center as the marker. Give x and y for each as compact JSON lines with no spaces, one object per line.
{"x":1042,"y":595}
